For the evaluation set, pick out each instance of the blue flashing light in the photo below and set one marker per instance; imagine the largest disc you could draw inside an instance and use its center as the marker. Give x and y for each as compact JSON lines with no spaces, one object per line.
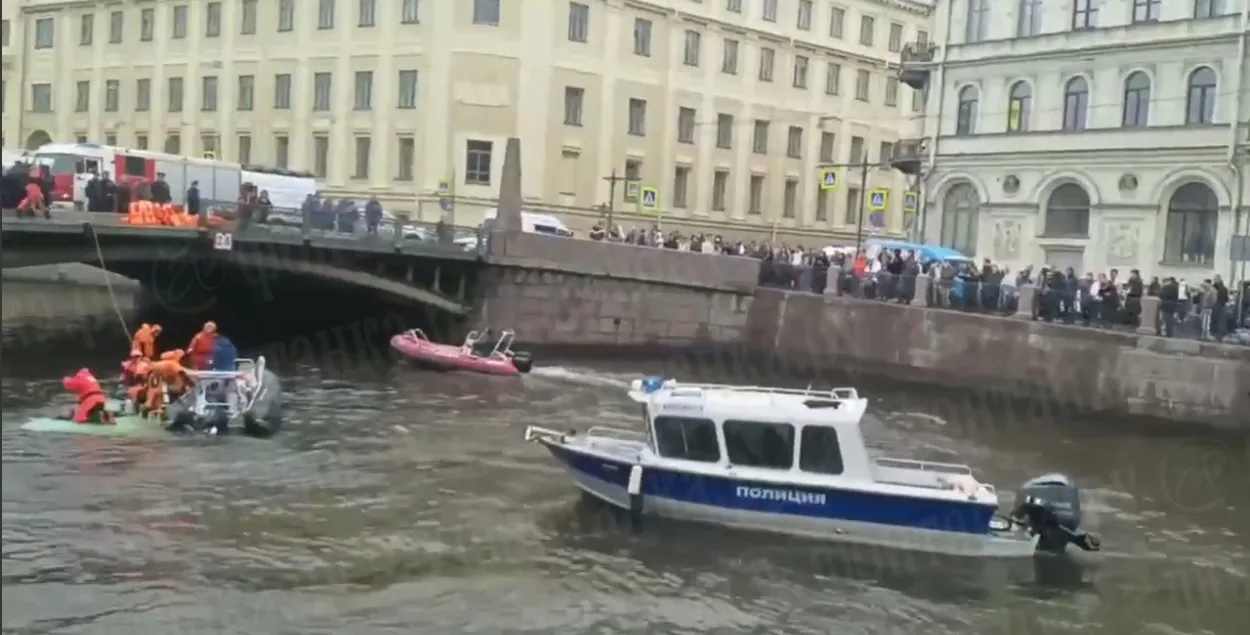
{"x":652,"y":384}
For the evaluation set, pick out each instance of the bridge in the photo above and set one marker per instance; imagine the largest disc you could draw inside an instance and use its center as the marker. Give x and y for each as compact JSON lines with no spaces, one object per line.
{"x":190,"y":269}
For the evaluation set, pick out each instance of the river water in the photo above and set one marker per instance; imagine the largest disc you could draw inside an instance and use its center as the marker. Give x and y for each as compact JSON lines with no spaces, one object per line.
{"x":399,"y":501}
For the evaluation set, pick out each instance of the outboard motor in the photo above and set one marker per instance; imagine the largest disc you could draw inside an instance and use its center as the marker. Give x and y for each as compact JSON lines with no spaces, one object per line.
{"x":523,"y":361}
{"x":1050,"y":506}
{"x":264,"y":418}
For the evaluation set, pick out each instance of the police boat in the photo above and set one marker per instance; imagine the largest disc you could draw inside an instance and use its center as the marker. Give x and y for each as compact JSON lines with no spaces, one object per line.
{"x":794,"y":462}
{"x":247,"y":399}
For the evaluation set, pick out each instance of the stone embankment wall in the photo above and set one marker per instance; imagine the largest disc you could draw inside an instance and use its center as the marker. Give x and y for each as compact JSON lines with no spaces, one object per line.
{"x":556,"y":291}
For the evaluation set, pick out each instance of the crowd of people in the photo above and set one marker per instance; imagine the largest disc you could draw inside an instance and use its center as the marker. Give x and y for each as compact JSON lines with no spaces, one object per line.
{"x":1208,"y":310}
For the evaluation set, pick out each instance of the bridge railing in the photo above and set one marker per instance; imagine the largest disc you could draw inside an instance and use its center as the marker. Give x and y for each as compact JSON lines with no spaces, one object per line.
{"x":395,"y":227}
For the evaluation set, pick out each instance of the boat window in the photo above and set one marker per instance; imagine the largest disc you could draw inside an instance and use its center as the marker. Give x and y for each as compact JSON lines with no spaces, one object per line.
{"x":135,"y":166}
{"x":759,"y":444}
{"x":687,"y":438}
{"x":819,"y":451}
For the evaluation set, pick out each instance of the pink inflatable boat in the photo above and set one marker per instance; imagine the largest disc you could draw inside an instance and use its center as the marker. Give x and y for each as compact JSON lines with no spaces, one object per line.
{"x":501,"y":360}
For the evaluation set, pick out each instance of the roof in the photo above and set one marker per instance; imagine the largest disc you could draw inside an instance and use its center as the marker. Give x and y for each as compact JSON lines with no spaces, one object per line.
{"x":723,"y":401}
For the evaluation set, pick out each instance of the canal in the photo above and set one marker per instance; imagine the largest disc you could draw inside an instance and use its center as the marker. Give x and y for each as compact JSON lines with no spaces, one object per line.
{"x":399,"y":501}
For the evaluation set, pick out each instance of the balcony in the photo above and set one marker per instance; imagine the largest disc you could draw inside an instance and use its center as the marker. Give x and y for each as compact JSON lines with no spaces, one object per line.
{"x":909,"y":156}
{"x":916,"y":61}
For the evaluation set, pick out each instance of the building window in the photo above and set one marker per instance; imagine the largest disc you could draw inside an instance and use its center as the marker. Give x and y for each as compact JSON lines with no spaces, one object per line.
{"x":141,"y":141}
{"x":117,"y":27}
{"x":681,"y":186}
{"x":767,"y":58}
{"x":208,"y":94}
{"x":733,"y":6}
{"x":212,"y":19}
{"x":477,"y":159}
{"x":1075,"y":103}
{"x":45,"y":33}
{"x":410,"y":13}
{"x":729,"y":60}
{"x":325,"y":14}
{"x":82,"y":96}
{"x":833,"y":78}
{"x":854,"y":207}
{"x":1136,"y":101}
{"x":112,"y":95}
{"x":281,"y":150}
{"x":789,"y":203}
{"x":321,"y":156}
{"x":977,"y":25}
{"x":759,"y":137}
{"x":243,"y":149}
{"x":857,"y":151}
{"x":179,"y":25}
{"x":720,"y":188}
{"x":642,"y":37}
{"x":895,"y":43}
{"x":1029,"y":18}
{"x":366,"y":13}
{"x":794,"y":143}
{"x":637,"y":117}
{"x":756,"y":195}
{"x":173,"y":143}
{"x":769,"y":12}
{"x":321,"y":92}
{"x":408,"y":85}
{"x":486,"y":12}
{"x":1084,"y":14}
{"x":800,"y":72}
{"x":579,"y":22}
{"x":1146,"y":10}
{"x":363,"y":91}
{"x":363,"y":148}
{"x":693,"y":42}
{"x":208,"y":145}
{"x":868,"y":28}
{"x":1209,"y":8}
{"x":175,"y":94}
{"x":837,"y":18}
{"x":86,"y":29}
{"x":286,"y":16}
{"x":724,"y":131}
{"x":282,"y":91}
{"x":247,"y":18}
{"x":1019,"y":103}
{"x":961,"y":212}
{"x":573,"y":99}
{"x":804,"y":22}
{"x":863,"y":84}
{"x":891,"y":91}
{"x":918,"y":98}
{"x":685,"y":125}
{"x":828,"y":147}
{"x":1067,"y":212}
{"x":1200,"y":101}
{"x":147,"y":25}
{"x":143,"y":95}
{"x":1193,"y":218}
{"x":247,"y":92}
{"x":407,"y":147}
{"x":966,"y":113}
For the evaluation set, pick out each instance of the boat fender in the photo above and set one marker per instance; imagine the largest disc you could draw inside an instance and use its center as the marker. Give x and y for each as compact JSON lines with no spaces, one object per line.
{"x":634,"y":489}
{"x":523,"y":361}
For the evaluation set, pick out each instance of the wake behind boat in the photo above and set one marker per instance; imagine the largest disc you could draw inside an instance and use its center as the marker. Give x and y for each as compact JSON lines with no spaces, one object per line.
{"x":480,"y":353}
{"x":795,"y":462}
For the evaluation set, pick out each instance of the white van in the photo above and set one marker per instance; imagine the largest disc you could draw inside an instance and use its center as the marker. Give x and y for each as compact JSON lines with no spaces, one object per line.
{"x":535,"y":223}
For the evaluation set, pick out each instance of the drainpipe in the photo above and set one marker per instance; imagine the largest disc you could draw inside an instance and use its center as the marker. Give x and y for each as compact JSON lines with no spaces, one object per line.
{"x":23,"y":91}
{"x":1234,"y":130}
{"x":941,"y":102}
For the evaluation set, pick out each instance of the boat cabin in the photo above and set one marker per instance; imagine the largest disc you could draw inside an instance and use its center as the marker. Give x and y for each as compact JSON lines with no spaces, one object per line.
{"x":795,"y":435}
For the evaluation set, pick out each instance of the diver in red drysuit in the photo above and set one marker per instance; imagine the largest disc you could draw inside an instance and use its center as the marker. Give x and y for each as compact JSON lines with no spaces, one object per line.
{"x":91,"y":399}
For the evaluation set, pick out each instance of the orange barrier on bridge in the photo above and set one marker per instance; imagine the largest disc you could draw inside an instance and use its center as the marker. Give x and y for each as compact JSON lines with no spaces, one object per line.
{"x":149,"y":214}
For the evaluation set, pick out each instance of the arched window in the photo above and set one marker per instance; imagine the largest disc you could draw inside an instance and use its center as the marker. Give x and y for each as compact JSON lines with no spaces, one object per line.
{"x":961,"y":212}
{"x":1136,"y":101}
{"x":966,"y":115}
{"x":1200,"y":104}
{"x":1018,"y":104}
{"x":1193,"y":217}
{"x":1075,"y":103}
{"x":1067,"y":211}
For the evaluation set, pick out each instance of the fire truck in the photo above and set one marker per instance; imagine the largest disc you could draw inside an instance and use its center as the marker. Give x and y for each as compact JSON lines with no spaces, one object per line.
{"x":73,"y":165}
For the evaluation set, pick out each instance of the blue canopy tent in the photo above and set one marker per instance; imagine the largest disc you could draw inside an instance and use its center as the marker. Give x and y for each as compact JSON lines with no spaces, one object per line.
{"x":927,"y":253}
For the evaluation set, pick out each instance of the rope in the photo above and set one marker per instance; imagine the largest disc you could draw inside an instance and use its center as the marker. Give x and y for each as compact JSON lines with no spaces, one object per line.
{"x":108,"y":282}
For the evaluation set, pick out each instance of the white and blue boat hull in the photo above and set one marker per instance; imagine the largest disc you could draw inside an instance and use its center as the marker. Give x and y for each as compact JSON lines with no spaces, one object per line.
{"x":923,"y":524}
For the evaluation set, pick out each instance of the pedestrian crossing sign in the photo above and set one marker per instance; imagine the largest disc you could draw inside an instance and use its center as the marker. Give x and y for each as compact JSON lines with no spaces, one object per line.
{"x":631,"y":191}
{"x":829,"y":179}
{"x":911,"y":201}
{"x":878,"y":199}
{"x":650,"y":198}
{"x":444,"y":188}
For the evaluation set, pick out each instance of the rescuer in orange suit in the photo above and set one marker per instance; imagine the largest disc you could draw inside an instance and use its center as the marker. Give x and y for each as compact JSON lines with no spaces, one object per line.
{"x":167,"y":375}
{"x":134,"y":377}
{"x":145,"y":340}
{"x":202,"y":346}
{"x":91,"y":400}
